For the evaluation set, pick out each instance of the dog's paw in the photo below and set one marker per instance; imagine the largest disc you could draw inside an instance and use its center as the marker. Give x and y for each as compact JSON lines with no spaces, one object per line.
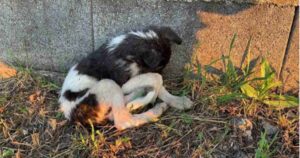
{"x":181,"y":103}
{"x":157,"y":111}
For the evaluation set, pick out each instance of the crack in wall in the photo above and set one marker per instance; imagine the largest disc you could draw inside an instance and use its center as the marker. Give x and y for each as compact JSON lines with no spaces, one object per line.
{"x":291,"y":35}
{"x":92,"y":23}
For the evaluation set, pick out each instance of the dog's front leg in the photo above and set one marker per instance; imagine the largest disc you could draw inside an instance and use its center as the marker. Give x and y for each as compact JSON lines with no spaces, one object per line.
{"x":175,"y":101}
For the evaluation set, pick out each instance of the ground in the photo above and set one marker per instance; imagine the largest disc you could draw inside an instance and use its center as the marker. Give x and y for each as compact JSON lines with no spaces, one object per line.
{"x":31,"y":125}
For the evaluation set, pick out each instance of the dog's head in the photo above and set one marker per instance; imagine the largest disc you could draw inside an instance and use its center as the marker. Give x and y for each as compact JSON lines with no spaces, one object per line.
{"x":152,"y":46}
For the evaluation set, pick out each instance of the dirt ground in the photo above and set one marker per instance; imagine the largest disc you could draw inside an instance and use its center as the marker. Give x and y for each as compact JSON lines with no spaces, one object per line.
{"x":31,"y":125}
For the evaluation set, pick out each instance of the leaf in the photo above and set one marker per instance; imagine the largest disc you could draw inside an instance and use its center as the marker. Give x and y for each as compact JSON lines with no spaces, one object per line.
{"x":52,"y":123}
{"x":269,"y":86}
{"x":265,"y":68}
{"x":186,"y":118}
{"x":35,"y":137}
{"x":249,"y":91}
{"x":229,"y":97}
{"x":231,"y":72}
{"x":232,"y":42}
{"x":246,"y":54}
{"x":18,"y":154}
{"x":285,"y":97}
{"x":200,"y":136}
{"x":7,"y":153}
{"x":216,"y":60}
{"x":281,"y":103}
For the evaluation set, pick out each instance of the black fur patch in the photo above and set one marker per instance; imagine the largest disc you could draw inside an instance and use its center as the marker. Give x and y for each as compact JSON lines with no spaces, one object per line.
{"x":90,"y":100}
{"x":71,"y":96}
{"x":151,"y":55}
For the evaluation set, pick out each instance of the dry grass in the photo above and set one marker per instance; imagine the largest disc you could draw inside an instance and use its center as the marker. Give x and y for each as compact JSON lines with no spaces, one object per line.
{"x":32,"y":126}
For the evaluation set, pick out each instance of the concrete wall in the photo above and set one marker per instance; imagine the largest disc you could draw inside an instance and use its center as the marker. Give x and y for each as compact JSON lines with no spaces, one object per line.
{"x":53,"y":35}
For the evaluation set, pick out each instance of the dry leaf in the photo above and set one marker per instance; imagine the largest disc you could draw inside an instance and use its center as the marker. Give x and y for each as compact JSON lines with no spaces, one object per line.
{"x":34,"y":97}
{"x":42,"y":112}
{"x":1,"y":109}
{"x":18,"y":154}
{"x":283,"y":121}
{"x":6,"y":71}
{"x":53,"y":123}
{"x":35,"y":139}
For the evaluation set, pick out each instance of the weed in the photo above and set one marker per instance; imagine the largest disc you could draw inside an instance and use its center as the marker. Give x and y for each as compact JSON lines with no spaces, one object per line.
{"x":92,"y":141}
{"x":264,"y":147}
{"x":187,"y":118}
{"x":7,"y":152}
{"x":239,"y":83}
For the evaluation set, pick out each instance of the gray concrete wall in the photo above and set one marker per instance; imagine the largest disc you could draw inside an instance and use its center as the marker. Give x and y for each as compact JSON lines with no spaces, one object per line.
{"x":53,"y":35}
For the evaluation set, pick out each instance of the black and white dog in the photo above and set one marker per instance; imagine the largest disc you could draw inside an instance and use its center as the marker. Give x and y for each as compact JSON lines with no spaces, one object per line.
{"x":107,"y":84}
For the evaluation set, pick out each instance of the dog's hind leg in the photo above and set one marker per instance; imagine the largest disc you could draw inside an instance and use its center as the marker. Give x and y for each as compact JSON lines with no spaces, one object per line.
{"x":134,"y":86}
{"x":123,"y":121}
{"x":110,"y":94}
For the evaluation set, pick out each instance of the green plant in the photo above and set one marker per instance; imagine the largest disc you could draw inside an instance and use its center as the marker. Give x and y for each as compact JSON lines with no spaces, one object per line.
{"x":238,"y":83}
{"x":186,"y":118}
{"x":8,"y":152}
{"x":263,"y":90}
{"x":264,"y":147}
{"x":91,"y":140}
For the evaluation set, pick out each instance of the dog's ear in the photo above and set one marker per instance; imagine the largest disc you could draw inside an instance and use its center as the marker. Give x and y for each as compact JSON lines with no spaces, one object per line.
{"x":151,"y":59}
{"x":170,"y":35}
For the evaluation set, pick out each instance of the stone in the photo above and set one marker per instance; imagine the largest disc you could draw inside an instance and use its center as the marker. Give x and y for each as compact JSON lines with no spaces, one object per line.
{"x":268,"y":25}
{"x":290,"y":69}
{"x":269,"y":129}
{"x":244,"y":127}
{"x":48,"y":35}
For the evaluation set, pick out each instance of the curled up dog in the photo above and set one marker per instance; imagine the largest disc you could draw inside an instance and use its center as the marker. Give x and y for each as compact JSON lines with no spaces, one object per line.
{"x":106,"y":85}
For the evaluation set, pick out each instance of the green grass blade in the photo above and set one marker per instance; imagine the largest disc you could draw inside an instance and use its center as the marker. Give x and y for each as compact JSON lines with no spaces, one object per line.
{"x":232,"y":43}
{"x":229,"y":97}
{"x":246,"y":54}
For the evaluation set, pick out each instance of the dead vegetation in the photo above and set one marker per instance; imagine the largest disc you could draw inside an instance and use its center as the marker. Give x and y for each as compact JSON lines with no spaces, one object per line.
{"x":32,"y":126}
{"x":235,"y":115}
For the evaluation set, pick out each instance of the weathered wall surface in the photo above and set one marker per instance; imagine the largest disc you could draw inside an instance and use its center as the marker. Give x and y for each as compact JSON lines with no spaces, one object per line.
{"x":275,"y":2}
{"x":261,"y":22}
{"x":54,"y":35}
{"x":45,"y":34}
{"x":290,"y":67}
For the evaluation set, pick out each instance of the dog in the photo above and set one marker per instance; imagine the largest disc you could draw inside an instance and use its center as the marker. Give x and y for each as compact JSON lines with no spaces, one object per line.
{"x":105,"y":84}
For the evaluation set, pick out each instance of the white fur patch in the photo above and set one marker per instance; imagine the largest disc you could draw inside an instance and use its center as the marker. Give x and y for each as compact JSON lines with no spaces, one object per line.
{"x":108,"y":92}
{"x":175,"y":101}
{"x":67,"y":106}
{"x":77,"y":82}
{"x":74,"y":82}
{"x":115,"y":42}
{"x":134,"y":69}
{"x":146,"y":35}
{"x":153,"y":80}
